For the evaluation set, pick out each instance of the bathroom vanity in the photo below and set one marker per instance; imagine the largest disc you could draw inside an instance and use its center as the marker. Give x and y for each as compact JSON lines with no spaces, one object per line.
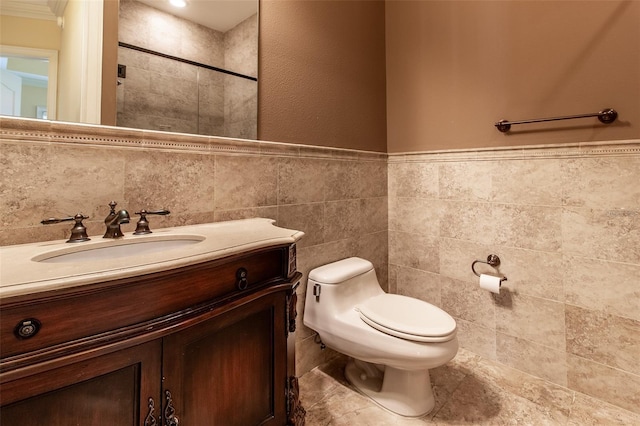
{"x":194,"y":334}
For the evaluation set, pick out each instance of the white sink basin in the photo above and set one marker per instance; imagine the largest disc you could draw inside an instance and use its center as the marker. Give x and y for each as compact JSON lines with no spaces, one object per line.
{"x":57,"y":265}
{"x":114,"y":249}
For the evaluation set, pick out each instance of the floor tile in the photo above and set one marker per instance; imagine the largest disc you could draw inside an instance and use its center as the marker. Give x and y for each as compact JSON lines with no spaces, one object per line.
{"x":469,"y":390}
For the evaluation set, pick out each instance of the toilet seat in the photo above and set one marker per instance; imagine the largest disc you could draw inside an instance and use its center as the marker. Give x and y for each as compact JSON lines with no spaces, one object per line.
{"x":407,"y":318}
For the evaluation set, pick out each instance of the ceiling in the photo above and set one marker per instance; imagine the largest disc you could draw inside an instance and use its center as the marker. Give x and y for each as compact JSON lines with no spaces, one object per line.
{"x":37,"y":9}
{"x":221,"y":15}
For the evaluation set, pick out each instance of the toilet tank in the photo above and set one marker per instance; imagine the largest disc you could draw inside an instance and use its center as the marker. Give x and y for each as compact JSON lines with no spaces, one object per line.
{"x":338,"y":286}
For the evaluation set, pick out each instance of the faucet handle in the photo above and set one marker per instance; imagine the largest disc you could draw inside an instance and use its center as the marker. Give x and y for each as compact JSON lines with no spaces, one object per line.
{"x":142,"y":227}
{"x":78,"y":232}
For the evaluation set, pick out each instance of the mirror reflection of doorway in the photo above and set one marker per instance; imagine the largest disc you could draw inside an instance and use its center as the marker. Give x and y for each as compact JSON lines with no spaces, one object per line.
{"x":28,"y":81}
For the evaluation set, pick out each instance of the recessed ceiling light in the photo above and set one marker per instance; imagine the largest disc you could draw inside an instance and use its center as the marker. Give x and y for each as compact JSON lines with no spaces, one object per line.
{"x":178,"y":3}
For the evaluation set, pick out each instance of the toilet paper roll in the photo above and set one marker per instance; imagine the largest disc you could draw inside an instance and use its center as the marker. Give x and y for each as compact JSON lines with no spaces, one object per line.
{"x":490,"y":282}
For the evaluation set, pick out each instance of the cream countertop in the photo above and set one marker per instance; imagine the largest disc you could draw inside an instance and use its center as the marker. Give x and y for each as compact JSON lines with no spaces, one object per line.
{"x":20,"y":274}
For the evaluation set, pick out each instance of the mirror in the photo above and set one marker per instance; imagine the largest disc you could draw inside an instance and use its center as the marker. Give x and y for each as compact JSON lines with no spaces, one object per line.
{"x":28,"y":82}
{"x":189,"y":70}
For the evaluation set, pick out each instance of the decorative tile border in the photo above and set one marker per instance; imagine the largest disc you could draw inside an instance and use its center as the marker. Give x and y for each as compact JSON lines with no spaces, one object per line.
{"x":39,"y":131}
{"x":618,"y":148}
{"x":47,"y":132}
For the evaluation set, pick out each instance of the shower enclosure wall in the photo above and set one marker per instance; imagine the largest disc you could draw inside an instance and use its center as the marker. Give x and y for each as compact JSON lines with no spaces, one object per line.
{"x":183,"y":77}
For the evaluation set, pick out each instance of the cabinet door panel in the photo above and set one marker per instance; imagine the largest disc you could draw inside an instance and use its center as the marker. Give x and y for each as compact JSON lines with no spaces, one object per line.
{"x":227,"y":371}
{"x":105,"y":390}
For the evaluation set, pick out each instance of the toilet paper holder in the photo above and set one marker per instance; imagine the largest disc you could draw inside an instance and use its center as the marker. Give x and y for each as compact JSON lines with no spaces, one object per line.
{"x":492,"y":260}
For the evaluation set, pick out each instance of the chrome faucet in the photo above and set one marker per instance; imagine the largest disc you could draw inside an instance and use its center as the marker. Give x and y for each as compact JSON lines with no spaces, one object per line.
{"x":114,"y":220}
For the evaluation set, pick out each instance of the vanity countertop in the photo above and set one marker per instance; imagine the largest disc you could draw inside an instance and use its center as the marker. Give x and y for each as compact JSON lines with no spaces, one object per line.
{"x":22,"y":270}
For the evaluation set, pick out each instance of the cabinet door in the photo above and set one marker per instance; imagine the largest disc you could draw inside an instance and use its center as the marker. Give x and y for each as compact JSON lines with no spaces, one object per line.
{"x":120,"y":388}
{"x":231,"y":369}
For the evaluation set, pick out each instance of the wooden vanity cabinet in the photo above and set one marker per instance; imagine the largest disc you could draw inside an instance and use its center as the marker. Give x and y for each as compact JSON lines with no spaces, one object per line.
{"x":207,"y":344}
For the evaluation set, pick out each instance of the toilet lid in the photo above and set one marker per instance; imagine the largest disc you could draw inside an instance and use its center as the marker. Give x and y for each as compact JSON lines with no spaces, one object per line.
{"x":407,"y":318}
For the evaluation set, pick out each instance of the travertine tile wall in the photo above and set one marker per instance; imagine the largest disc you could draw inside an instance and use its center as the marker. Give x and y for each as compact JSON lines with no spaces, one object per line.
{"x":337,"y":197}
{"x":565,"y":221}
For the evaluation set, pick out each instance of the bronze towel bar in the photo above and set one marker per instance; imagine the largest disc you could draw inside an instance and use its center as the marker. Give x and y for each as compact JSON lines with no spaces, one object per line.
{"x":605,"y":116}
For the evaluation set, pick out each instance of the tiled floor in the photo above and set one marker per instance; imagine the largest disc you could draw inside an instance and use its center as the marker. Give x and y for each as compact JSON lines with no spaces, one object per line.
{"x":469,"y":390}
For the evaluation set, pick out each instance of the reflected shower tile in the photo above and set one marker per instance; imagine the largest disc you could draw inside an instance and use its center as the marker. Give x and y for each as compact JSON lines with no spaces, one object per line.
{"x":241,"y":107}
{"x":171,"y":68}
{"x":133,"y":25}
{"x":138,"y":79}
{"x":176,"y":88}
{"x":241,"y":47}
{"x":195,"y":38}
{"x":164,"y":32}
{"x":133,"y":58}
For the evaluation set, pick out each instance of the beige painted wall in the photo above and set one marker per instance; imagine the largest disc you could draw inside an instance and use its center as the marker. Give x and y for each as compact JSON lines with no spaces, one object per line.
{"x":32,"y":33}
{"x":70,"y":66}
{"x":322,"y":73}
{"x":454,"y":68}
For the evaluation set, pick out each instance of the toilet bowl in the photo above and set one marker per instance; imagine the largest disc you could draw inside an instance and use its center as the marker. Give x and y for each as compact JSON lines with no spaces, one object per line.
{"x":394,"y":340}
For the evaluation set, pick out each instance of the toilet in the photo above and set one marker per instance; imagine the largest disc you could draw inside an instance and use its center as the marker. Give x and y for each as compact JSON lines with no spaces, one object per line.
{"x":392,"y":340}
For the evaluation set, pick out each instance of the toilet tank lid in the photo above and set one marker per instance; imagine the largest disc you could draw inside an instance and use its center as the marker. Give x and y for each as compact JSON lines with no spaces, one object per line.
{"x":340,"y":271}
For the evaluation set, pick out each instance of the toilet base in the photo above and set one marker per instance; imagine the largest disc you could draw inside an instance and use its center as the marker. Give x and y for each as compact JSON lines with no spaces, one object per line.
{"x":403,"y":392}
